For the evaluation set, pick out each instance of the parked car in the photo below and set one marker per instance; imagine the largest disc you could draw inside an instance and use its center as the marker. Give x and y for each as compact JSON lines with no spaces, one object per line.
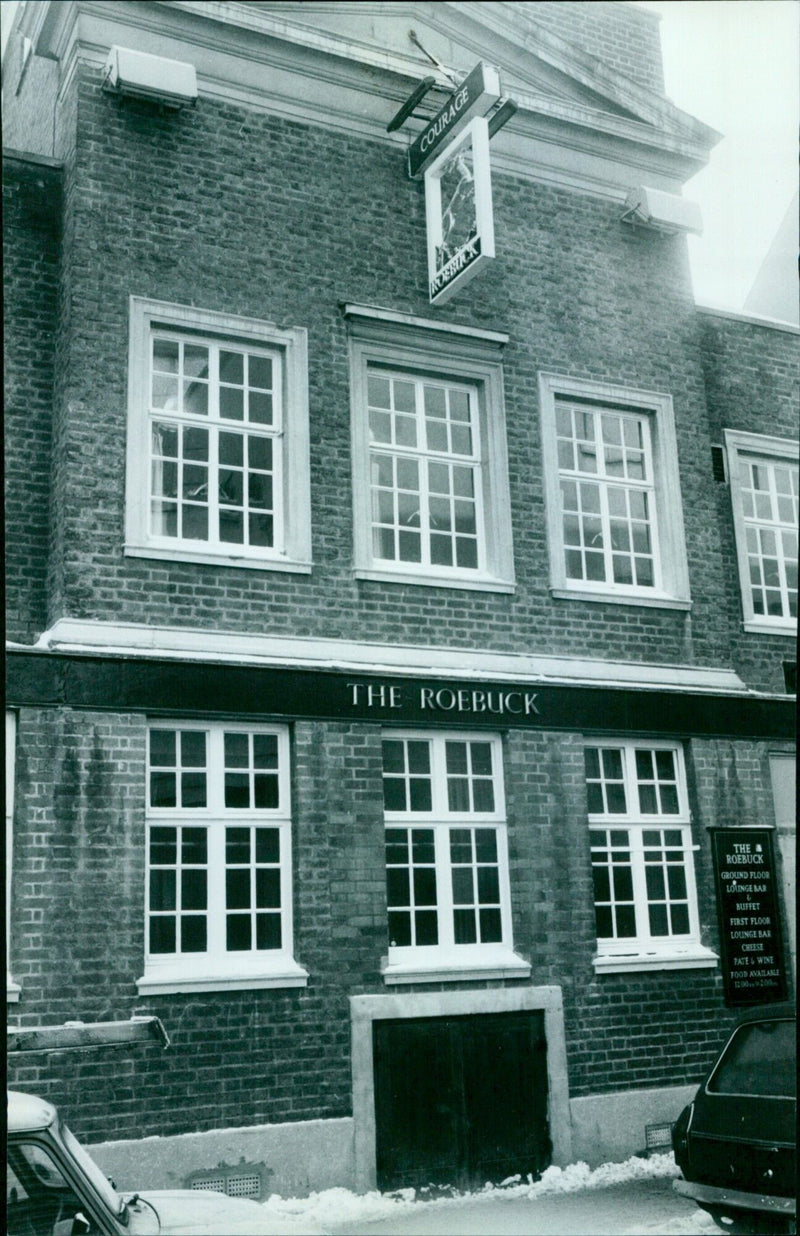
{"x":54,"y":1188}
{"x":736,"y":1142}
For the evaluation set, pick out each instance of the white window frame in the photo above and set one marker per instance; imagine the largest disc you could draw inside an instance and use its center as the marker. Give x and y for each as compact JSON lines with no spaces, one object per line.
{"x":671,"y":590}
{"x":446,"y":959}
{"x":217,"y":968}
{"x":769,"y":450}
{"x":12,"y":989}
{"x":420,"y":348}
{"x":644,"y":951}
{"x":288,"y":348}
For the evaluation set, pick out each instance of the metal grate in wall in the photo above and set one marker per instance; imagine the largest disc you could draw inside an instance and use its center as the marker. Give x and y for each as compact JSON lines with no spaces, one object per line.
{"x":718,"y":464}
{"x":235,"y":1184}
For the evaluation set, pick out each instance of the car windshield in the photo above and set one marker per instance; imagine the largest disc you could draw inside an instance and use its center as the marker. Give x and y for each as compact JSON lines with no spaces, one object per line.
{"x":759,"y":1059}
{"x":102,"y":1186}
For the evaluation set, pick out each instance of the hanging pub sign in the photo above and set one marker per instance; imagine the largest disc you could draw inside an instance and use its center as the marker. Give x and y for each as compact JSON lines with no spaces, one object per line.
{"x":458,"y":211}
{"x":474,"y":97}
{"x":749,"y":919}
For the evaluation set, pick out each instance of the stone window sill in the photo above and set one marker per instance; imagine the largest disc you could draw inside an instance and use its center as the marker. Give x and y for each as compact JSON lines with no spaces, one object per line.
{"x":214,"y":559}
{"x":498,"y":964}
{"x":168,"y":981}
{"x":696,"y":957}
{"x":648,"y":599}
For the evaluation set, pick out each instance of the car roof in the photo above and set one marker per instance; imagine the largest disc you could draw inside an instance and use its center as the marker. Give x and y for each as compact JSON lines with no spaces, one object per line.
{"x":768,"y":1012}
{"x":27,"y":1112}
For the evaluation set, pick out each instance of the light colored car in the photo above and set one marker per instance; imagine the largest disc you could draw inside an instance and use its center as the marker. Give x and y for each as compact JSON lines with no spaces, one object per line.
{"x":56,"y":1189}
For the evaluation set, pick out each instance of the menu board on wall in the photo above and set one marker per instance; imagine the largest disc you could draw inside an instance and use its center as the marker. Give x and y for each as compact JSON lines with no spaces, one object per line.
{"x":749,"y":915}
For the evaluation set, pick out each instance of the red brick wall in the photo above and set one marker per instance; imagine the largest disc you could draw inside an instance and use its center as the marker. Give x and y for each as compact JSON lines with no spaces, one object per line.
{"x":242,"y":1057}
{"x":752,"y":384}
{"x":31,"y":227}
{"x":622,"y":37}
{"x":259,"y":216}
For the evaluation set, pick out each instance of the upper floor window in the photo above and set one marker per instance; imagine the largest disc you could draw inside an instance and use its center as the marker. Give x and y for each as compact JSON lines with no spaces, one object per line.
{"x":613,"y":498}
{"x":642,"y":857}
{"x":446,"y":857}
{"x":429,"y":457}
{"x":764,"y":487}
{"x":218,"y":439}
{"x":219,"y":886}
{"x":12,"y":988}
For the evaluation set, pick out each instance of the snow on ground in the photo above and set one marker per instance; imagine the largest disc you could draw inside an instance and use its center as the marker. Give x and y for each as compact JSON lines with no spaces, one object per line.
{"x":334,"y":1208}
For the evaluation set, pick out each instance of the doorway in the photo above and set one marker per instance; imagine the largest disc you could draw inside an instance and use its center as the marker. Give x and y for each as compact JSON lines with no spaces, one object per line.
{"x":460,"y":1100}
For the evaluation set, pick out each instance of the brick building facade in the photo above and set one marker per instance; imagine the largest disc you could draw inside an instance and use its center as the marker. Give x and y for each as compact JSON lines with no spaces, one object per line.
{"x":378,"y":669}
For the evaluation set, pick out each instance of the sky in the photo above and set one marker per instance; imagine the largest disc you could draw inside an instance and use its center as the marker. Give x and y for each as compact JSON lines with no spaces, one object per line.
{"x":734,"y":65}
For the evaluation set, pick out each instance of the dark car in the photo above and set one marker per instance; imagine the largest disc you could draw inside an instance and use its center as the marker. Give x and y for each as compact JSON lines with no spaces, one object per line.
{"x":736,"y":1142}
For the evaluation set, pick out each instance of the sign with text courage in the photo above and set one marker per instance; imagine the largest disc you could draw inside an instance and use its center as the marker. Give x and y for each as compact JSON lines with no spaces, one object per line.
{"x":474,"y":97}
{"x":749,"y":915}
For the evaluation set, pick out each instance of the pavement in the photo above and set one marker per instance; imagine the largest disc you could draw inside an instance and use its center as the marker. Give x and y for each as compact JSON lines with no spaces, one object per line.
{"x":636,"y":1208}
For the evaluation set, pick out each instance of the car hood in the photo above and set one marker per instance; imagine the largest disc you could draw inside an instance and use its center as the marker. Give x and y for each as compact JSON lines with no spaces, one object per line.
{"x":199,"y":1212}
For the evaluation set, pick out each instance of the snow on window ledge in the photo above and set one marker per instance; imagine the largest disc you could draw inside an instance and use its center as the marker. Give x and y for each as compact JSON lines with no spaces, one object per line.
{"x":167,"y":980}
{"x":693,"y":957}
{"x":448,"y":967}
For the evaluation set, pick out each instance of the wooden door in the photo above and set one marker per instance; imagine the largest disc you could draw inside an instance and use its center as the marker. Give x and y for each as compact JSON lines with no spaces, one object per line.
{"x":460,"y":1100}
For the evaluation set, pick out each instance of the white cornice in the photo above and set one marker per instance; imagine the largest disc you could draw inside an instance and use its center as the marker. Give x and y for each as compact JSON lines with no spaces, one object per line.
{"x":257,"y":59}
{"x":87,"y":637}
{"x":749,"y":319}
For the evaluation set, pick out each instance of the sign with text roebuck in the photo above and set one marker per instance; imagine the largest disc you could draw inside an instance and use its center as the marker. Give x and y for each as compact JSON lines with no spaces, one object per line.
{"x":749,"y":915}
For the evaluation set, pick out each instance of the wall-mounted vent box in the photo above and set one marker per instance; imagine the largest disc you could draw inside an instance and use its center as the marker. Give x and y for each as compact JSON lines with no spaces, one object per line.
{"x":664,"y":212}
{"x":139,"y":75}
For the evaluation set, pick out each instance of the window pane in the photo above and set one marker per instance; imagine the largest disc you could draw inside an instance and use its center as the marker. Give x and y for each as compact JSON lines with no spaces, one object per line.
{"x":238,"y":932}
{"x":162,"y":934}
{"x":458,"y":794}
{"x":163,"y":846}
{"x":237,"y":790}
{"x":422,"y":845}
{"x":237,"y":889}
{"x":394,"y":794}
{"x":268,"y":931}
{"x":420,"y":794}
{"x":193,"y":789}
{"x":486,"y":845}
{"x":393,"y":757}
{"x":265,"y":750}
{"x":463,"y":888}
{"x":426,"y":927}
{"x":267,"y":845}
{"x":491,"y":928}
{"x":194,"y":892}
{"x":237,"y":751}
{"x":419,"y":757}
{"x":398,"y":887}
{"x":400,"y":929}
{"x":237,"y":845}
{"x":266,"y":790}
{"x":162,"y":789}
{"x":424,"y":886}
{"x":268,"y":888}
{"x":465,"y":930}
{"x":483,"y":794}
{"x":194,"y":846}
{"x":162,"y":890}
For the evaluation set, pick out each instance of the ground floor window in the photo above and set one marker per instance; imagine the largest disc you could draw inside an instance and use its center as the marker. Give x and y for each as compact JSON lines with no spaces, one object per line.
{"x":218,"y":852}
{"x":642,"y":854}
{"x":446,"y":850}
